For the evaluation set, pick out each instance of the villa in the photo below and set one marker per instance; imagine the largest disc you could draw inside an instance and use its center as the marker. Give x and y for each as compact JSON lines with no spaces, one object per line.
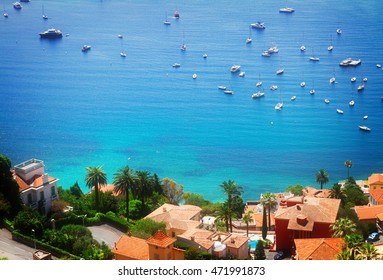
{"x":37,"y":189}
{"x":375,"y":181}
{"x":318,"y":248}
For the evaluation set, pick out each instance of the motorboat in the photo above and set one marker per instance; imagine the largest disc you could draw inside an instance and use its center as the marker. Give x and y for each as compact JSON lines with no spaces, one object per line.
{"x":378,"y":66}
{"x":86,"y":48}
{"x":5,"y":14}
{"x":122,"y":54}
{"x":361,"y":87}
{"x":330,"y":48}
{"x":313,"y":58}
{"x":286,"y":10}
{"x":351,"y":103}
{"x":258,"y":84}
{"x":120,"y":36}
{"x":183,"y":47}
{"x":242,"y":74}
{"x":365,"y":79}
{"x":293,"y":97}
{"x":167,"y":22}
{"x":339,"y":111}
{"x":312,"y":91}
{"x":332,"y":80}
{"x":258,"y":25}
{"x":303,"y":84}
{"x":176,"y":14}
{"x":51,"y":33}
{"x":339,"y":31}
{"x":365,"y":117}
{"x":353,"y":79}
{"x":273,"y":87}
{"x":235,"y":68}
{"x":266,"y":53}
{"x":279,"y":106}
{"x":222,"y":87}
{"x":303,"y":48}
{"x":194,"y":76}
{"x":228,"y":91}
{"x":176,"y":65}
{"x":204,"y":55}
{"x":17,"y":6}
{"x":350,"y":62}
{"x":280,"y":71}
{"x":364,"y":128}
{"x":272,"y":50}
{"x":257,"y":95}
{"x":249,"y":40}
{"x":327,"y":101}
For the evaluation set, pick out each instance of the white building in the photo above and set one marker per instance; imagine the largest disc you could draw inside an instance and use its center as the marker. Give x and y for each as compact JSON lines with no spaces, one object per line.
{"x":37,"y":189}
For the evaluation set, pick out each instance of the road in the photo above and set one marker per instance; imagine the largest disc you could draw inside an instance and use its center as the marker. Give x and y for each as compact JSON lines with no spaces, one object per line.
{"x":106,"y":233}
{"x":13,"y":250}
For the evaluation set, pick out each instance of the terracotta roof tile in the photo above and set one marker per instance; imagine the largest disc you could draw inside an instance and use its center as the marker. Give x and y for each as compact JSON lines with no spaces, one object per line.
{"x":160,"y":239}
{"x":132,"y":247}
{"x":318,"y":248}
{"x":236,"y":241}
{"x":377,"y":195}
{"x":36,"y":183}
{"x":368,"y":212}
{"x":375,"y":179}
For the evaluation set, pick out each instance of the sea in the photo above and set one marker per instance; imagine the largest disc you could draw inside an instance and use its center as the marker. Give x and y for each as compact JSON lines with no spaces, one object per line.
{"x":74,"y":109}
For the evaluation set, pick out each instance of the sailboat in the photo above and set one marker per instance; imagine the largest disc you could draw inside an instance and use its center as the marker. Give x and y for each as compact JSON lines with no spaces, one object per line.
{"x":166,"y":22}
{"x":314,"y":58}
{"x":259,"y":83}
{"x":330,"y":47}
{"x":183,"y":45}
{"x":303,"y":48}
{"x":279,"y":105}
{"x":122,"y":53}
{"x":312,"y":91}
{"x":44,"y":15}
{"x":249,"y":40}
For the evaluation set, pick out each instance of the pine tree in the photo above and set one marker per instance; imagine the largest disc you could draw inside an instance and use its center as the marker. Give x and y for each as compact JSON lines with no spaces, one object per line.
{"x":260,"y":251}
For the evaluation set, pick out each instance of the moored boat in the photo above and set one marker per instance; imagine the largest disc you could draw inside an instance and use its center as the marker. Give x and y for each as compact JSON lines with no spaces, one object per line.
{"x":364,"y":128}
{"x":235,"y":68}
{"x":51,"y":33}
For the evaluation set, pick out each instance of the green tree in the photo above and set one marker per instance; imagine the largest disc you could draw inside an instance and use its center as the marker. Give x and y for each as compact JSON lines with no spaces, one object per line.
{"x":348,"y":164}
{"x":223,"y":214}
{"x":123,"y":181}
{"x":145,"y":228}
{"x":194,"y":199}
{"x":145,"y":185}
{"x":337,"y":192}
{"x":247,"y":219}
{"x":264,"y":224}
{"x":172,"y":191}
{"x":157,"y":185}
{"x":95,"y":177}
{"x":367,"y":252}
{"x":28,"y":220}
{"x":354,"y":195}
{"x":322,"y":177}
{"x":295,"y":190}
{"x":260,"y":251}
{"x":269,"y":200}
{"x":233,"y":191}
{"x":343,"y":227}
{"x":76,"y":190}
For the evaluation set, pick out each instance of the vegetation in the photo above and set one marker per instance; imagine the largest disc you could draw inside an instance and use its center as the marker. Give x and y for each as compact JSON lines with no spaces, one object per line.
{"x":123,"y":181}
{"x":234,"y":200}
{"x":295,"y":190}
{"x":322,"y":177}
{"x":269,"y":200}
{"x":343,"y":227}
{"x":172,"y":191}
{"x":247,"y":218}
{"x":95,"y":177}
{"x":348,"y":164}
{"x":259,"y":253}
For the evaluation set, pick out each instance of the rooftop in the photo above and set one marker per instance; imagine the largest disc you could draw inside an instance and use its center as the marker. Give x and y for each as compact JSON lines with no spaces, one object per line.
{"x":160,"y":239}
{"x":28,"y":166}
{"x":132,"y":247}
{"x":318,"y":248}
{"x":368,"y":212}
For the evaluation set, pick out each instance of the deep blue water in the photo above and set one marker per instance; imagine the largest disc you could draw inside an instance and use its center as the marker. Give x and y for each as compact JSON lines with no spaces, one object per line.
{"x":74,"y":109}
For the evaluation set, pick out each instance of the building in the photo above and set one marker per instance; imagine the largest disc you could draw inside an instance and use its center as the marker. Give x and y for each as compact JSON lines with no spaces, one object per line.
{"x":318,"y":248}
{"x":368,"y":213}
{"x":310,"y":219}
{"x":375,"y":182}
{"x":376,"y":197}
{"x":37,"y":189}
{"x":157,"y":247}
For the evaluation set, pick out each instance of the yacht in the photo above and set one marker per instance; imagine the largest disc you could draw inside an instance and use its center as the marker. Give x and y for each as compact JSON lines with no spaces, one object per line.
{"x":273,"y":87}
{"x":353,"y":79}
{"x":51,"y":33}
{"x":279,"y":106}
{"x":327,"y":101}
{"x":350,"y":62}
{"x":257,"y":95}
{"x":228,"y":91}
{"x":222,"y":87}
{"x":242,"y":74}
{"x":378,"y":66}
{"x":293,"y":98}
{"x":194,"y":76}
{"x":176,"y":65}
{"x":258,"y":25}
{"x":286,"y":10}
{"x":303,"y":48}
{"x":273,"y":50}
{"x":361,"y":87}
{"x":303,"y":84}
{"x":280,"y":71}
{"x":17,"y":5}
{"x":351,"y":103}
{"x":332,"y":80}
{"x":312,"y":58}
{"x":364,"y":128}
{"x":339,"y":111}
{"x":86,"y":48}
{"x":258,"y":84}
{"x":235,"y":68}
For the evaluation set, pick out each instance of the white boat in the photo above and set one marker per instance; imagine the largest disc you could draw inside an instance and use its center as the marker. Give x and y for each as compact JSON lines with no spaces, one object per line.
{"x":17,"y":6}
{"x":327,"y":101}
{"x":280,"y":71}
{"x":166,"y":21}
{"x":350,"y":62}
{"x":312,"y":91}
{"x":365,"y":79}
{"x":303,"y":48}
{"x":120,"y":36}
{"x":378,"y":65}
{"x":353,"y":79}
{"x":235,"y":68}
{"x":44,"y":15}
{"x":204,"y":55}
{"x":272,"y":50}
{"x":257,"y":95}
{"x":293,"y":98}
{"x":330,"y":47}
{"x":273,"y":87}
{"x":176,"y":14}
{"x":183,"y":47}
{"x":86,"y":48}
{"x":122,"y":54}
{"x":365,"y":117}
{"x":313,"y":58}
{"x":351,"y":103}
{"x":332,"y":80}
{"x":361,"y":87}
{"x":5,"y":14}
{"x":286,"y":10}
{"x":258,"y":84}
{"x":258,"y":25}
{"x":249,"y":40}
{"x":242,"y":74}
{"x":339,"y":111}
{"x":222,"y":87}
{"x":303,"y":84}
{"x":194,"y":76}
{"x":339,"y":31}
{"x":266,"y":53}
{"x":279,"y":106}
{"x":176,"y":65}
{"x":228,"y":91}
{"x":364,"y":128}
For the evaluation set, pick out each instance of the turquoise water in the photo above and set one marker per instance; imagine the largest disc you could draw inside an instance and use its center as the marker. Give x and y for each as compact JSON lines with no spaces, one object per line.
{"x":252,"y":244}
{"x":74,"y":109}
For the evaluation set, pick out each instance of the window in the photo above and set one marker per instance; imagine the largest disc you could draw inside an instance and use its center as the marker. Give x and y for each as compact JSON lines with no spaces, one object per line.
{"x":53,"y":191}
{"x":156,"y":256}
{"x":41,"y":195}
{"x":29,"y":198}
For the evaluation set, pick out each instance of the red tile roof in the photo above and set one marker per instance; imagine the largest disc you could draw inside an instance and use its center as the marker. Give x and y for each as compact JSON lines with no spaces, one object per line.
{"x":36,"y":183}
{"x":377,"y":195}
{"x":318,"y":248}
{"x":132,"y":248}
{"x":160,"y":239}
{"x":368,"y":212}
{"x":375,"y":179}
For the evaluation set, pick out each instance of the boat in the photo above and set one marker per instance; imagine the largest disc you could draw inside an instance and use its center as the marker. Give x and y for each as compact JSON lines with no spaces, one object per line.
{"x":313,"y":58}
{"x":351,"y":103}
{"x":258,"y":25}
{"x":44,"y":15}
{"x":265,"y":53}
{"x":312,"y":91}
{"x":272,"y":50}
{"x":228,"y":91}
{"x":364,"y":128}
{"x":353,"y":79}
{"x":122,"y":54}
{"x":303,"y":84}
{"x":330,"y":48}
{"x":365,"y":79}
{"x":365,"y":117}
{"x":339,"y":111}
{"x":257,"y":95}
{"x":339,"y":31}
{"x":17,"y":6}
{"x":176,"y":14}
{"x":303,"y":48}
{"x":378,"y":66}
{"x":273,"y":87}
{"x":120,"y":36}
{"x":51,"y":33}
{"x":279,"y":106}
{"x":248,"y":39}
{"x":183,"y":47}
{"x":293,"y":97}
{"x":86,"y":48}
{"x":204,"y":55}
{"x":361,"y":87}
{"x":194,"y":76}
{"x":332,"y":80}
{"x":235,"y":68}
{"x":327,"y":101}
{"x":176,"y":65}
{"x":350,"y":62}
{"x":5,"y":14}
{"x":222,"y":87}
{"x":258,"y":84}
{"x":242,"y":74}
{"x":280,"y":71}
{"x":286,"y":10}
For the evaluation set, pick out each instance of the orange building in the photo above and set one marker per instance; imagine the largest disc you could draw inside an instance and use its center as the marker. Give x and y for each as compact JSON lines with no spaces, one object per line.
{"x":318,"y":248}
{"x":368,"y":213}
{"x":376,"y":197}
{"x":375,"y":182}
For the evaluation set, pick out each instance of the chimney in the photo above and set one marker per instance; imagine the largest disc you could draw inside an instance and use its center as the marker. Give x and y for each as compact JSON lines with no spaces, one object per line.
{"x":45,"y":178}
{"x":164,"y":209}
{"x":299,"y":207}
{"x":192,"y":238}
{"x":232,"y":240}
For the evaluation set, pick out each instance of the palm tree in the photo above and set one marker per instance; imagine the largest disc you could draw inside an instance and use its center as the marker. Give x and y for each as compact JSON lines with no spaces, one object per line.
{"x":123,"y":181}
{"x":348,"y":164}
{"x":95,"y":177}
{"x":223,"y":214}
{"x":145,"y":183}
{"x":337,"y":192}
{"x":232,"y":190}
{"x":367,"y":252}
{"x":322,"y":177}
{"x":269,"y":200}
{"x":247,"y":219}
{"x":343,"y":227}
